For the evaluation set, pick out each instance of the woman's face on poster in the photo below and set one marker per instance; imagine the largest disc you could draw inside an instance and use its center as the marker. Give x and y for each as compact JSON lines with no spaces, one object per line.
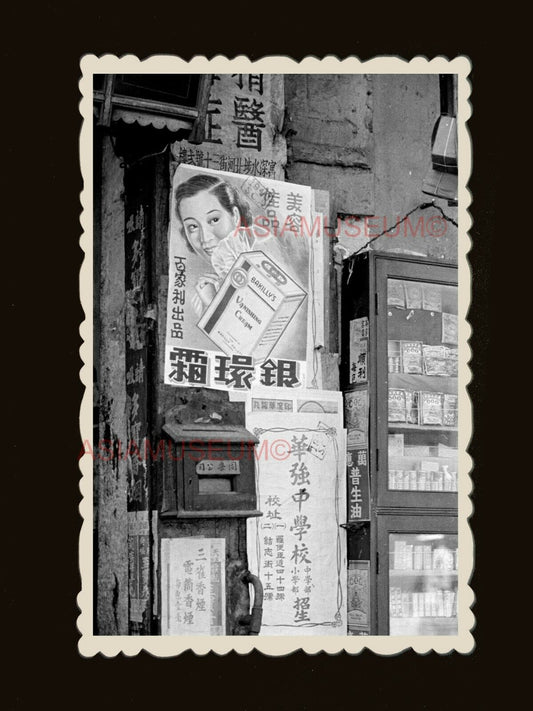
{"x":206,"y":222}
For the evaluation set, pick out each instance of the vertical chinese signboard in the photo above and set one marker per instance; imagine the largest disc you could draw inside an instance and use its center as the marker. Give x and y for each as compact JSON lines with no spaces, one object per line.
{"x":242,"y":273}
{"x":243,"y":127}
{"x":193,"y":595}
{"x":298,"y":546}
{"x":356,"y":419}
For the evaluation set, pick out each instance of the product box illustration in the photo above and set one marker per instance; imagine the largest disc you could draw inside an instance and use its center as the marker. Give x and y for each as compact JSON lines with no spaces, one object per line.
{"x":252,"y":308}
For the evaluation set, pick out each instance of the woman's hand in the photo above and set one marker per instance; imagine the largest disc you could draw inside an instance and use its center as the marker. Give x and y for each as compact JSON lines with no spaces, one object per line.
{"x":205,"y":290}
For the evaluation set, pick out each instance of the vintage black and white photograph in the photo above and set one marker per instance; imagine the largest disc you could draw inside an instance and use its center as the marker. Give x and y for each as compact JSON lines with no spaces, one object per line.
{"x":275,"y":419}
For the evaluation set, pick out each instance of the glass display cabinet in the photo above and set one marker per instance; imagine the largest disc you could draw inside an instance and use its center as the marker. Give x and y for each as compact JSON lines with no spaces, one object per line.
{"x":409,"y":307}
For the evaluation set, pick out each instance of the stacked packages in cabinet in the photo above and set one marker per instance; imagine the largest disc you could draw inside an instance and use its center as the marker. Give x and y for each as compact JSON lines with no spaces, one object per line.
{"x":429,"y":603}
{"x":417,"y":358}
{"x":422,"y":473}
{"x":406,"y":556}
{"x":416,"y":407}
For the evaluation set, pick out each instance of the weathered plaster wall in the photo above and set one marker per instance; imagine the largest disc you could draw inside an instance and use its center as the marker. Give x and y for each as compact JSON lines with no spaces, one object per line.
{"x":367,"y":140}
{"x":406,"y":108}
{"x":330,"y":137}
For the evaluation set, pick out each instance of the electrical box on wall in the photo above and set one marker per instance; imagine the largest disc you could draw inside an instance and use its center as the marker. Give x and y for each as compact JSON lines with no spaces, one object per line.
{"x":211,"y":472}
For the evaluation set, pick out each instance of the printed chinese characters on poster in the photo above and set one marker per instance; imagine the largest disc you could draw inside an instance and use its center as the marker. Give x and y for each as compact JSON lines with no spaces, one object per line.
{"x":193,"y":597}
{"x":239,"y":281}
{"x":297,"y":546}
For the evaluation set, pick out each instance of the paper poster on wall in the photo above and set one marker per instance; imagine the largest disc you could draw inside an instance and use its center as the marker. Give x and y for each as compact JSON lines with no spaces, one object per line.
{"x":241,"y":281}
{"x":298,"y":547}
{"x":193,"y":582}
{"x":358,"y":597}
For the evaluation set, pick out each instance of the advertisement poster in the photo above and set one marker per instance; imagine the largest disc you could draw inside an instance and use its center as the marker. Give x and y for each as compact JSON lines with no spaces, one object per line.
{"x":193,"y":586}
{"x":241,"y":282}
{"x":358,"y":597}
{"x":298,"y":547}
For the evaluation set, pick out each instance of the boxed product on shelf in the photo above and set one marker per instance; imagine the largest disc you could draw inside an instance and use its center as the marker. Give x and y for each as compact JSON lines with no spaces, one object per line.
{"x":435,"y":361}
{"x":411,"y":407}
{"x":450,"y":410}
{"x":396,"y":445}
{"x":428,"y":558}
{"x":439,"y":594}
{"x":443,"y":558}
{"x":395,"y":293}
{"x":448,"y":603}
{"x":449,"y":328}
{"x":445,"y":451}
{"x":394,"y":356}
{"x":416,"y":597}
{"x":431,"y":408}
{"x":413,"y":295}
{"x":406,"y":605}
{"x":411,"y":357}
{"x":417,"y":450}
{"x":397,"y":555}
{"x":408,"y":559}
{"x":418,"y":558}
{"x":431,"y":298}
{"x":397,"y":405}
{"x":452,"y":355}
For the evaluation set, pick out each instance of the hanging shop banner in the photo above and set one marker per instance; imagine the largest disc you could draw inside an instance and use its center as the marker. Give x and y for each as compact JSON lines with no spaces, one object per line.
{"x":241,"y":282}
{"x":358,"y":597}
{"x":356,"y":416}
{"x":238,"y":137}
{"x":298,"y":546}
{"x":359,"y":350}
{"x":358,"y":485}
{"x":193,"y":582}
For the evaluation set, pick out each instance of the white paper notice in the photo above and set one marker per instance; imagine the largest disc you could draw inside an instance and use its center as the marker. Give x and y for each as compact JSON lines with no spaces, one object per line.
{"x":298,"y":546}
{"x":193,"y":582}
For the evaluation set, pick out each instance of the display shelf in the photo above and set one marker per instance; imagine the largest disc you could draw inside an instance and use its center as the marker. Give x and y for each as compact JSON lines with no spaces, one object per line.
{"x":393,"y":573}
{"x":429,"y":383}
{"x":423,"y":626}
{"x":420,"y":428}
{"x":421,"y":458}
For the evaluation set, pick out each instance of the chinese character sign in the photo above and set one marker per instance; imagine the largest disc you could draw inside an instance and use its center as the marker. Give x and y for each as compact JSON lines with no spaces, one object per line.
{"x":356,"y":416}
{"x":242,"y":110}
{"x":298,"y":545}
{"x":358,"y":485}
{"x":358,"y":350}
{"x":240,"y":286}
{"x":193,"y":596}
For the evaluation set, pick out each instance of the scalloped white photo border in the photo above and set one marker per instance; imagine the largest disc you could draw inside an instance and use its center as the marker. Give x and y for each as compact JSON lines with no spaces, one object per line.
{"x":90,"y":644}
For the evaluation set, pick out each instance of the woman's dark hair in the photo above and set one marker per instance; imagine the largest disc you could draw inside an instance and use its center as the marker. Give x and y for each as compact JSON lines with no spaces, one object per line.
{"x":226,"y":194}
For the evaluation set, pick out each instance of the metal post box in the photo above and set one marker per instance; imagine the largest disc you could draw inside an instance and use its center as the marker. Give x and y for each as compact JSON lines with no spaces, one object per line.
{"x":213,"y":467}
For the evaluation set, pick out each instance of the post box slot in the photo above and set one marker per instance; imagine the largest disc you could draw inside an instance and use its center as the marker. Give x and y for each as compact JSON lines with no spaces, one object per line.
{"x":215,"y":484}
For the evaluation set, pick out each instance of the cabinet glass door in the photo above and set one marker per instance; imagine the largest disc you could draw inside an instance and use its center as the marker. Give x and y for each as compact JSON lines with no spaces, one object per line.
{"x":422,"y":584}
{"x":422,"y":404}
